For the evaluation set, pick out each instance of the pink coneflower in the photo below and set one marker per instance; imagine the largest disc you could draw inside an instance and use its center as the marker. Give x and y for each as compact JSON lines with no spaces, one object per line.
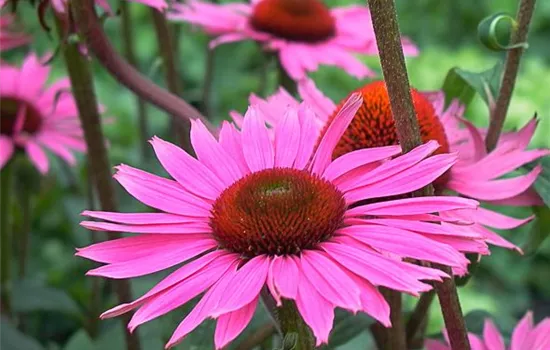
{"x":35,"y":117}
{"x":524,"y":337}
{"x":476,"y":174}
{"x":253,"y":211}
{"x":9,"y":39}
{"x":304,"y":33}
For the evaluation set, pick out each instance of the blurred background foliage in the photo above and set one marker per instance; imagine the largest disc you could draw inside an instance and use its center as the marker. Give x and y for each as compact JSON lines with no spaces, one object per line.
{"x":54,"y":297}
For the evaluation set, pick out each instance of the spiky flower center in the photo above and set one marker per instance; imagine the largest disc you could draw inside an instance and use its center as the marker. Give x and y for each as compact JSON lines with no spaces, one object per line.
{"x":297,"y":20}
{"x":9,"y":108}
{"x":276,"y":212}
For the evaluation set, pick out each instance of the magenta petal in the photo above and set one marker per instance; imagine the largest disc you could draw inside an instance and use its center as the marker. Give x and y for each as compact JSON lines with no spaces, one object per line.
{"x":321,"y":105}
{"x":334,"y":132}
{"x":491,"y":336}
{"x":37,"y":156}
{"x":420,"y":227}
{"x":283,"y":279}
{"x":521,"y":332}
{"x":330,"y":281}
{"x":6,"y":150}
{"x":245,"y":285}
{"x":497,"y":220}
{"x":130,"y":248}
{"x":287,"y":139}
{"x":188,"y":171}
{"x":216,"y":259}
{"x":139,"y":218}
{"x":413,"y":206}
{"x":372,"y":301}
{"x":160,"y":260}
{"x":257,"y":147}
{"x":230,"y":325}
{"x":230,"y":140}
{"x":309,"y":132}
{"x":316,"y":311}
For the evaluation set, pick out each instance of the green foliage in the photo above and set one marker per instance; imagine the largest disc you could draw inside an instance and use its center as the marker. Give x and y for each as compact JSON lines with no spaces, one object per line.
{"x":12,"y":339}
{"x":30,"y":296}
{"x":494,"y":32}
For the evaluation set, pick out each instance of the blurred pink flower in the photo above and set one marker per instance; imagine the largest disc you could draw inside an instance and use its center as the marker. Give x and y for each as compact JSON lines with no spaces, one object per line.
{"x":304,"y":33}
{"x":524,"y":337}
{"x":35,"y":117}
{"x":60,"y":6}
{"x":10,"y":37}
{"x":476,"y":173}
{"x":255,"y":211}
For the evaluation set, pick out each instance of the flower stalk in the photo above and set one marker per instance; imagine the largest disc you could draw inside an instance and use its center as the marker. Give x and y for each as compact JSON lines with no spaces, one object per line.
{"x":81,"y":79}
{"x":166,"y":47}
{"x":392,"y":60}
{"x":294,"y":328}
{"x":6,"y":235}
{"x":418,"y":317}
{"x":99,"y":45}
{"x":513,"y":58}
{"x":126,"y":22}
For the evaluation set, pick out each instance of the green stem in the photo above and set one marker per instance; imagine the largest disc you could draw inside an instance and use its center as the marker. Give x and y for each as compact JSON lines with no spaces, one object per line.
{"x":419,"y":316}
{"x":6,"y":235}
{"x":82,"y":84}
{"x":498,"y":115}
{"x":24,"y":235}
{"x":166,"y":48}
{"x":206,"y":103}
{"x":128,"y":42}
{"x":292,"y":324}
{"x":391,"y":338}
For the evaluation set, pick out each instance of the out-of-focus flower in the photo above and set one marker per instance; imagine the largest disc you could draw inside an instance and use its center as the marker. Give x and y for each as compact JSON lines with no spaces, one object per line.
{"x":61,"y":6}
{"x":10,"y":36}
{"x":524,"y":337}
{"x":253,"y":211}
{"x":476,"y":174}
{"x":304,"y":33}
{"x":35,"y":117}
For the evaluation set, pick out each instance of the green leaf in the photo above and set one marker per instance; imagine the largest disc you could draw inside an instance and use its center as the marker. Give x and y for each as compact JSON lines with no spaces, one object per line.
{"x":347,"y":327}
{"x":12,"y":339}
{"x":463,"y":85}
{"x":495,"y":31}
{"x":539,"y":231}
{"x":80,"y":341}
{"x":29,"y":296}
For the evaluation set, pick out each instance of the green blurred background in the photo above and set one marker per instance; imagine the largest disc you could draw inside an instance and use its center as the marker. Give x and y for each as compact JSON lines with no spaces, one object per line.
{"x":55,"y":295}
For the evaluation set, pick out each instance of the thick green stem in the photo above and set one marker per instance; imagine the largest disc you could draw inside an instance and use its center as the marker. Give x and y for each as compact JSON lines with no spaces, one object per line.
{"x":166,"y":48}
{"x":498,"y":115}
{"x":392,"y":60}
{"x":129,"y":44}
{"x":292,"y":325}
{"x":83,"y":90}
{"x":6,"y":236}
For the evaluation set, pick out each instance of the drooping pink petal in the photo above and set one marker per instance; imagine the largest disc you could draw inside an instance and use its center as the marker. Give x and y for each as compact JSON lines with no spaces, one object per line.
{"x":156,"y":261}
{"x":230,"y":325}
{"x":521,"y":332}
{"x":283,"y":278}
{"x":37,"y":156}
{"x":497,"y":220}
{"x":372,"y":301}
{"x":191,"y":227}
{"x":413,"y":206}
{"x":316,"y":311}
{"x":330,"y":281}
{"x":491,"y":335}
{"x":139,"y":218}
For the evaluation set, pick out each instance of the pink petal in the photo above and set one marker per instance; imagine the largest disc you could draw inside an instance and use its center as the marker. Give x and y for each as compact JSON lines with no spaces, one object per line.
{"x":180,"y":293}
{"x":330,"y":281}
{"x":525,"y":199}
{"x":156,"y":261}
{"x":160,"y":193}
{"x":496,"y":189}
{"x":139,"y":218}
{"x":157,"y":4}
{"x":59,"y":149}
{"x":245,"y":285}
{"x":37,"y":156}
{"x":287,"y":139}
{"x":419,"y":226}
{"x":215,"y":260}
{"x":230,"y":325}
{"x":134,"y":247}
{"x":405,"y":244}
{"x":308,"y":137}
{"x":541,"y":335}
{"x":191,"y":227}
{"x":435,"y":345}
{"x":491,"y":336}
{"x":34,"y":75}
{"x":334,"y":132}
{"x":498,"y":220}
{"x":189,"y":172}
{"x":283,"y":278}
{"x":521,"y":332}
{"x":413,"y":206}
{"x":216,"y":158}
{"x":6,"y":150}
{"x":316,"y":311}
{"x":372,"y":301}
{"x":230,"y":140}
{"x":321,"y":105}
{"x":257,"y":147}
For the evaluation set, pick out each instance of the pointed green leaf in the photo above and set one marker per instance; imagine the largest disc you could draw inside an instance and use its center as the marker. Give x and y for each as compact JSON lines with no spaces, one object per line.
{"x":463,"y":85}
{"x":495,"y":31}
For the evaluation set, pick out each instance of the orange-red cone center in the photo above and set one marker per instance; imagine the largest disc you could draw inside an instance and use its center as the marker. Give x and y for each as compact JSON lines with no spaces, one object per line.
{"x":9,"y":108}
{"x":276,"y":212}
{"x":296,"y":20}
